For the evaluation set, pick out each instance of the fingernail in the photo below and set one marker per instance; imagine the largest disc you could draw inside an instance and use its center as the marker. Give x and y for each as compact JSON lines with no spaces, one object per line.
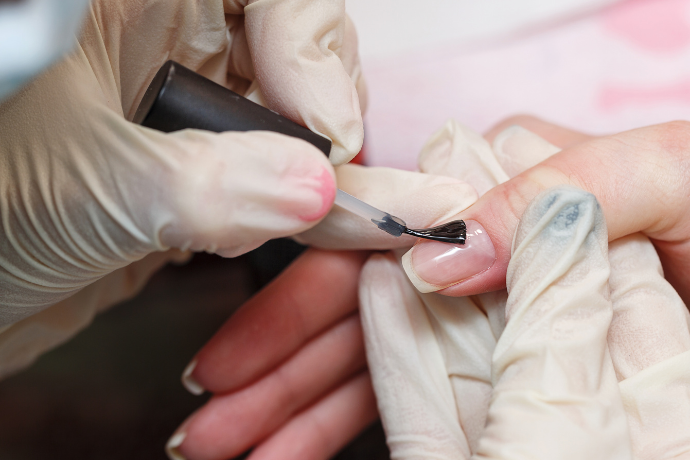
{"x":173,"y":443}
{"x":188,"y":381}
{"x":324,"y":187}
{"x":432,"y":266}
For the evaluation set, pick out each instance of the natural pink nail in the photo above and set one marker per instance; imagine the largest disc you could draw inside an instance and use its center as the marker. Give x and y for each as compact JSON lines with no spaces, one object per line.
{"x":432,"y":266}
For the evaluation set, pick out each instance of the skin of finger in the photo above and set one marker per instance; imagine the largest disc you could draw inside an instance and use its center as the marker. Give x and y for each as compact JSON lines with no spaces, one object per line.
{"x":421,"y":200}
{"x":414,"y":393}
{"x":321,"y":430}
{"x":637,"y":176}
{"x":317,"y":291}
{"x":550,"y":132}
{"x":299,"y":70}
{"x":231,"y":423}
{"x":555,"y":391}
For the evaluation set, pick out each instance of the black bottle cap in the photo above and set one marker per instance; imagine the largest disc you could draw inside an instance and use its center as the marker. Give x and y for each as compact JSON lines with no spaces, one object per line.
{"x":179,"y":98}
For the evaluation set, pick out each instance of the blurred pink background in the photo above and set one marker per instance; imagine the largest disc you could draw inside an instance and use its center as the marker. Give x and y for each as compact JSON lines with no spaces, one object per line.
{"x":609,"y":68}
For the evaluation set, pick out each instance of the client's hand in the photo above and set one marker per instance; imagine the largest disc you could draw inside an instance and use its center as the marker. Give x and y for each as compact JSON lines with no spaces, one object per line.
{"x":287,"y":371}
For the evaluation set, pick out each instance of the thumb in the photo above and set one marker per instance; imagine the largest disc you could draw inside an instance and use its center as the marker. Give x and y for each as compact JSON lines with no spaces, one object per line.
{"x":639,"y":178}
{"x":229,"y":193}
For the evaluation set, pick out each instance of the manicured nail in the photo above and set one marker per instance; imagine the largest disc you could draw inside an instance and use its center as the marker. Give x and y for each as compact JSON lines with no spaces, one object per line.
{"x":173,"y":443}
{"x":432,"y":266}
{"x":188,"y":381}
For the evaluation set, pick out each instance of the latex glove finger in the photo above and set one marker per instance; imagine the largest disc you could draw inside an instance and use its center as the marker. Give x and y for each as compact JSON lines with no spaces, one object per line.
{"x":231,"y":423}
{"x":550,"y":132}
{"x":555,"y":391}
{"x":518,"y":149}
{"x":278,"y":321}
{"x":295,"y":47}
{"x":234,"y":69}
{"x":650,"y":322}
{"x":658,"y":407}
{"x":22,"y":342}
{"x":649,"y":341}
{"x":466,"y":328}
{"x":414,"y":394}
{"x":457,"y":151}
{"x":419,"y":199}
{"x":323,"y":429}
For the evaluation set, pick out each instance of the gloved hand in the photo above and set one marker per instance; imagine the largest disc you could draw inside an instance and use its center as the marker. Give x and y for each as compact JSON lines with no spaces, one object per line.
{"x":322,"y":413}
{"x":297,"y":387}
{"x":451,"y":382}
{"x":449,"y":387}
{"x":86,"y":193}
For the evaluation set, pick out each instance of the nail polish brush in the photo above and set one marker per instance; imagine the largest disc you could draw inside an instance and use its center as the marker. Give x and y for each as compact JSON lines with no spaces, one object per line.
{"x":179,"y":98}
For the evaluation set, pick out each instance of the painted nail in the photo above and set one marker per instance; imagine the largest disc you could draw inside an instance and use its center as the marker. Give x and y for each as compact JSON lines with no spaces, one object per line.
{"x":173,"y":443}
{"x":188,"y":381}
{"x":433,"y":266}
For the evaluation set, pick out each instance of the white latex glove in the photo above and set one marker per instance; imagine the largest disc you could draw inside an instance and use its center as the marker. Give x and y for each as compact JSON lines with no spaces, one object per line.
{"x":85,"y":193}
{"x":431,"y":361}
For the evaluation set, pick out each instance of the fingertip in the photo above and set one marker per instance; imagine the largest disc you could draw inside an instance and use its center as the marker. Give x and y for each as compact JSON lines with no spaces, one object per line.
{"x":324,"y":187}
{"x":347,"y":141}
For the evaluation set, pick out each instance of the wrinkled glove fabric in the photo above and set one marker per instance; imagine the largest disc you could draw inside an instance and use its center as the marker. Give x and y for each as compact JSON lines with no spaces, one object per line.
{"x":84,"y":193}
